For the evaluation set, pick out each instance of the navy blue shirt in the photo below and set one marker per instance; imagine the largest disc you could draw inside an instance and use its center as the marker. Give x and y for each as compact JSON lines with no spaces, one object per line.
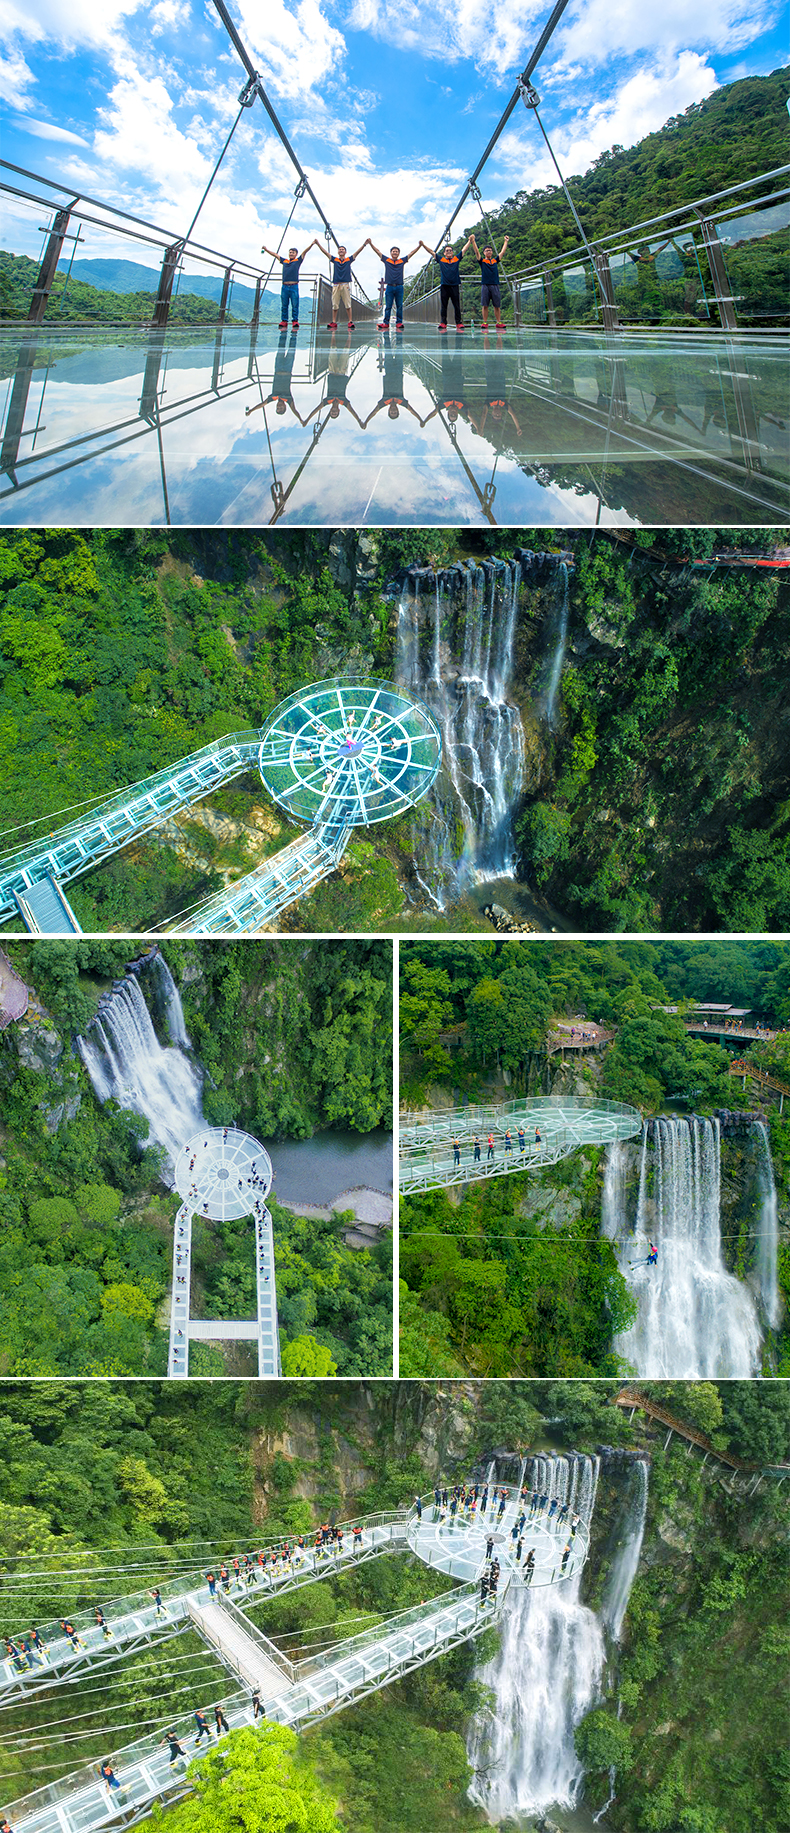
{"x":393,"y":272}
{"x":291,"y":270}
{"x":341,"y":271}
{"x":489,"y":273}
{"x":450,"y":271}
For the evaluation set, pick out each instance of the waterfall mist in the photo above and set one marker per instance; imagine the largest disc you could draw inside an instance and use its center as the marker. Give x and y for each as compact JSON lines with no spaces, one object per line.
{"x":546,"y":1674}
{"x":455,"y":650}
{"x":125,"y":1061}
{"x":695,"y":1320}
{"x":630,"y":1532}
{"x":767,"y":1232}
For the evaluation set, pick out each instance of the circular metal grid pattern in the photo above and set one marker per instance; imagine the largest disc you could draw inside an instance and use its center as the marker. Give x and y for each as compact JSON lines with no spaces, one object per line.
{"x":349,"y":751}
{"x":457,"y":1545}
{"x":221,"y":1173}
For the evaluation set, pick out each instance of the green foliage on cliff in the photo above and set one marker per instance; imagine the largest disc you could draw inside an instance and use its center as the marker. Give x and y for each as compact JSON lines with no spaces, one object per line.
{"x":740,"y":129}
{"x":508,"y":1281}
{"x":294,"y":1038}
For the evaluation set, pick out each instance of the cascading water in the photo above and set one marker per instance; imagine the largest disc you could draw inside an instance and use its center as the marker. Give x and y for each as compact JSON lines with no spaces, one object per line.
{"x":630,"y":1532}
{"x":482,"y":736}
{"x":125,"y":1061}
{"x":560,"y":643}
{"x":767,"y":1231}
{"x":695,"y":1321}
{"x":546,"y":1674}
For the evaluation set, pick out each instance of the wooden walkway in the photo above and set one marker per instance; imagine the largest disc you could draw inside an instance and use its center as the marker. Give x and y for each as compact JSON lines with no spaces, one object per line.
{"x":741,"y":1068}
{"x":629,"y":1397}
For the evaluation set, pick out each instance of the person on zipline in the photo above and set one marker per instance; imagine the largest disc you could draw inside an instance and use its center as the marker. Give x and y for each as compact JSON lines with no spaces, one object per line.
{"x":652,"y":1257}
{"x":449,"y":282}
{"x":394,"y":264}
{"x":340,"y":265}
{"x":291,"y":264}
{"x":490,"y":295}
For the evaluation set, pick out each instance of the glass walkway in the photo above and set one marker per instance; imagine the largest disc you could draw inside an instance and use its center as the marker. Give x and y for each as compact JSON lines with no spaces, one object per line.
{"x":537,"y":426}
{"x":224,"y":1175}
{"x":301,"y":1693}
{"x":482,"y":1142}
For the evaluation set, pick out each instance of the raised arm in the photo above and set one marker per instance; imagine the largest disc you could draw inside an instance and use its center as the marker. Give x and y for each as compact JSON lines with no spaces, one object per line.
{"x":412,"y":252}
{"x":503,"y":248}
{"x":428,"y":250}
{"x":306,"y":251}
{"x":352,"y":258}
{"x":382,"y":257}
{"x":274,"y":253}
{"x":474,"y":245}
{"x":470,"y":242}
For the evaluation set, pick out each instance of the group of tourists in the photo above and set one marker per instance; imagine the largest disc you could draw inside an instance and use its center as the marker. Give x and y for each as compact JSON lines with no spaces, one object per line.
{"x":449,"y":260}
{"x":507,"y":1145}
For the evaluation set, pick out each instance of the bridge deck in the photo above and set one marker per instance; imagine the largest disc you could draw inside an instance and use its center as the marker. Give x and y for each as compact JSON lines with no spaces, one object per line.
{"x":258,"y":897}
{"x":428,"y":1158}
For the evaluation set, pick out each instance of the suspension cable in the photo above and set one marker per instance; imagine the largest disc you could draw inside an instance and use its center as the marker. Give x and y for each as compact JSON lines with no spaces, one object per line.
{"x":537,"y":54}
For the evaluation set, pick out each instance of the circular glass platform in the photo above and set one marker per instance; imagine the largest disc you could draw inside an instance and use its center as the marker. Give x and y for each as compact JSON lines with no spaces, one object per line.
{"x":222,"y":1174}
{"x":456,"y":1543}
{"x":349,"y":751}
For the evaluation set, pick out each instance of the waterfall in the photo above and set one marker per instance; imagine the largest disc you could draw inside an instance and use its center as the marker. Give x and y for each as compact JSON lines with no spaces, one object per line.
{"x":630,"y":1532}
{"x":174,"y":1013}
{"x":560,"y":642}
{"x":767,"y":1232}
{"x":471,"y":837}
{"x":546,"y":1674}
{"x":695,"y":1320}
{"x":125,"y":1061}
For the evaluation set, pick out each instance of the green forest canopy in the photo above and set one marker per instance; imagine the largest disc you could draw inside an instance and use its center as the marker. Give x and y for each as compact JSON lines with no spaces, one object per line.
{"x":295,"y":1037}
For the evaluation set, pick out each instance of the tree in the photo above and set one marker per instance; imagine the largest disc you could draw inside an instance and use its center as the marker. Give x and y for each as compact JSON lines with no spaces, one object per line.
{"x":253,"y":1781}
{"x":304,"y":1357}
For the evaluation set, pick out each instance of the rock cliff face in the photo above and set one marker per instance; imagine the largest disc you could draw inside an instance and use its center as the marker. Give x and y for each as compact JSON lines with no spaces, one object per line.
{"x":42,"y":1050}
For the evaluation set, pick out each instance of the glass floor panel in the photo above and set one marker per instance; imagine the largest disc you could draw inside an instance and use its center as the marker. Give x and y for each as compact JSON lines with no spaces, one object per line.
{"x":419,"y":428}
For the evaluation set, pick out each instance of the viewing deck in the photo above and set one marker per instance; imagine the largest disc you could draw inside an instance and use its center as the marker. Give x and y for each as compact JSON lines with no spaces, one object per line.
{"x":552,"y":1128}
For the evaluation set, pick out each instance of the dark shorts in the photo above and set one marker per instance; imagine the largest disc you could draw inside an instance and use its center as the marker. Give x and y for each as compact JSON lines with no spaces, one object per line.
{"x":490,"y":296}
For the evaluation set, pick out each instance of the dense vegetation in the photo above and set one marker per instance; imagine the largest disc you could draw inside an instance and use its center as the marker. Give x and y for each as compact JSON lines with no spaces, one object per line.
{"x":513,"y":1276}
{"x":293,"y":1039}
{"x":75,"y":302}
{"x":663,"y":801}
{"x":99,"y":1478}
{"x":738,"y":131}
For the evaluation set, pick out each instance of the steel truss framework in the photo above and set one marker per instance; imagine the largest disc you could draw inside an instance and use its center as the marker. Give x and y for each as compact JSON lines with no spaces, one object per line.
{"x":341,"y":754}
{"x":301,"y":1693}
{"x":428,"y":1158}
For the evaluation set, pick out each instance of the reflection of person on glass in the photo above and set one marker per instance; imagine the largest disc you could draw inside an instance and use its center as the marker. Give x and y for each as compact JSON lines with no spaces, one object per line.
{"x":337,"y":381}
{"x":394,"y":264}
{"x":282,"y":380}
{"x":490,"y":295}
{"x":449,"y":282}
{"x":496,"y":389}
{"x":667,"y":406}
{"x":340,"y":265}
{"x":291,"y":264}
{"x":452,"y":397}
{"x":392,"y":396}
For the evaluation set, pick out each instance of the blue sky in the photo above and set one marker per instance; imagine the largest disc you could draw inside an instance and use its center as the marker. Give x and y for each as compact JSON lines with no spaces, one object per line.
{"x":388,"y":102}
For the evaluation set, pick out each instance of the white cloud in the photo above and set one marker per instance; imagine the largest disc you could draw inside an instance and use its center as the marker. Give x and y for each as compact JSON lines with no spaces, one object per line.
{"x":598,"y":30}
{"x":497,"y":40}
{"x":81,"y":23}
{"x":46,"y":130}
{"x":642,"y":103}
{"x":294,"y":48}
{"x":16,"y":78}
{"x":169,"y":13}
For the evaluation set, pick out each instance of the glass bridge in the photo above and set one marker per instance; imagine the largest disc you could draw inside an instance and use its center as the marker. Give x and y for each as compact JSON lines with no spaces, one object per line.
{"x":336,"y":755}
{"x":538,"y":426}
{"x":300,"y":1693}
{"x":483,"y":1142}
{"x":224,"y":1174}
